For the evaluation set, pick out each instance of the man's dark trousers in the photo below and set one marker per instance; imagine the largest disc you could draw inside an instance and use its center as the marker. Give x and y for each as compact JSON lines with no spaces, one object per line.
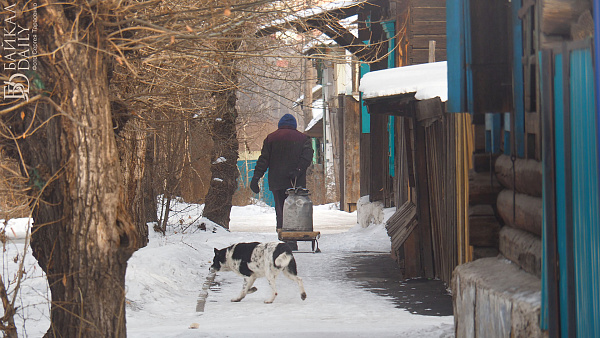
{"x":280,"y":197}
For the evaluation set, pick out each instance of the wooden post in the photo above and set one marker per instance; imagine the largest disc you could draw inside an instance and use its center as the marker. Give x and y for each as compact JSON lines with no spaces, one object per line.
{"x":431,"y":50}
{"x":351,"y":152}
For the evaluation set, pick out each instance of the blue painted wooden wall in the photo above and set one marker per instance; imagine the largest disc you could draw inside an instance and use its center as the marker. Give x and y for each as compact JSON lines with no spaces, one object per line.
{"x":577,"y":194}
{"x":586,"y":218}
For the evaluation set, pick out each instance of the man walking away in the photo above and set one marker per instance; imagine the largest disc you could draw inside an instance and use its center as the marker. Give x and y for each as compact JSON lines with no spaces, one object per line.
{"x":287,"y":153}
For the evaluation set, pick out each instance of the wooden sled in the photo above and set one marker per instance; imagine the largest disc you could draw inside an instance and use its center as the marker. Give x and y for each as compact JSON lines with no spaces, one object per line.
{"x":312,"y":236}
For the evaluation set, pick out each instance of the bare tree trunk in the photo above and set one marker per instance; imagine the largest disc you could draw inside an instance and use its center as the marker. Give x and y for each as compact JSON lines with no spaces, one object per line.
{"x":83,"y":233}
{"x":165,"y":216}
{"x":224,"y":134}
{"x":149,"y":191}
{"x":132,"y":153}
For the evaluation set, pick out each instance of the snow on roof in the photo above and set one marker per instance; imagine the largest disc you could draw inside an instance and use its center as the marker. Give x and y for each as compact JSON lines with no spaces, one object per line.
{"x":330,"y":6}
{"x":428,"y":80}
{"x":298,"y":101}
{"x":321,"y":40}
{"x":317,"y":113}
{"x":301,"y":98}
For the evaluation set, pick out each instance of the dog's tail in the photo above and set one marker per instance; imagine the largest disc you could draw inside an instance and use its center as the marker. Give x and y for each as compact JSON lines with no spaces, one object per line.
{"x":282,"y":256}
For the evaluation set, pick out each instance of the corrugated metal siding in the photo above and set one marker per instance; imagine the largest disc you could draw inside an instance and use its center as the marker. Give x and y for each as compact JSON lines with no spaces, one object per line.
{"x":586,"y":218}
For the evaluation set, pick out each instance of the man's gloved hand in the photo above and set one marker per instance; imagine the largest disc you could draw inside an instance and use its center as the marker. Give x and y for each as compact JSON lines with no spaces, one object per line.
{"x":254,"y":185}
{"x":295,"y":173}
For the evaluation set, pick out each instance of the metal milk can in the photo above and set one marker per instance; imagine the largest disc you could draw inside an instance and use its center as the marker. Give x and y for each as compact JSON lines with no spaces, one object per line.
{"x":298,"y":211}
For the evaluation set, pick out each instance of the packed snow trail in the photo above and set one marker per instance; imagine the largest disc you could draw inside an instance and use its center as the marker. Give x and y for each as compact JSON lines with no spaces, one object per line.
{"x":335,"y":306}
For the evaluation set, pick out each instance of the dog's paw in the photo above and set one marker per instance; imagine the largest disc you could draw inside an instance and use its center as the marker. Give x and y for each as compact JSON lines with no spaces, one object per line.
{"x":269,"y":301}
{"x":303,"y":295}
{"x":236,"y":300}
{"x":252,"y":290}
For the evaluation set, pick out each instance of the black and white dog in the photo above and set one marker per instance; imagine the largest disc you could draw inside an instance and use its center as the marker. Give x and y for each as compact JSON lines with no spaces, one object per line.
{"x":254,"y":260}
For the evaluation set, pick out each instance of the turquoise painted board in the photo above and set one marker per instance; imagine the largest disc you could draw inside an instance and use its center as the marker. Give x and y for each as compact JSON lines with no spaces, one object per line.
{"x":455,"y":38}
{"x":544,"y":312}
{"x":586,"y":218}
{"x":364,"y":113}
{"x":392,"y":145}
{"x":246,"y":169}
{"x":518,"y":84}
{"x":561,"y":191}
{"x":390,"y":29}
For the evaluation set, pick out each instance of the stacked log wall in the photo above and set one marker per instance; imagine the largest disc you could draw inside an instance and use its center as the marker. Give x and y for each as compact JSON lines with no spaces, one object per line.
{"x":484,"y":224}
{"x":520,"y":207}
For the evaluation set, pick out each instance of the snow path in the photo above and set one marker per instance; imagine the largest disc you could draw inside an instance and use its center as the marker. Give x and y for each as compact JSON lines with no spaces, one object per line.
{"x":335,"y":306}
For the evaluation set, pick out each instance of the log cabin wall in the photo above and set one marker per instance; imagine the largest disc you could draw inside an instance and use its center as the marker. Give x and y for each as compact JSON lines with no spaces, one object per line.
{"x":534,"y":26}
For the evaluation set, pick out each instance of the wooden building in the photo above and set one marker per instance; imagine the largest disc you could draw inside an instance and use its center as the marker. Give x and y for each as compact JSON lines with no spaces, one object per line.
{"x":503,"y":179}
{"x":414,"y":156}
{"x":535,"y":167}
{"x":425,"y":228}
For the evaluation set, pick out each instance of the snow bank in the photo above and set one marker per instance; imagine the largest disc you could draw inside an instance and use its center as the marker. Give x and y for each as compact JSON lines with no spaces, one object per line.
{"x":17,"y":228}
{"x":369,"y":212}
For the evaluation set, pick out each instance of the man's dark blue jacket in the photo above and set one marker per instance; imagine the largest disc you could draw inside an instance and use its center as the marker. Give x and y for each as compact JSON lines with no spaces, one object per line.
{"x":284,"y":151}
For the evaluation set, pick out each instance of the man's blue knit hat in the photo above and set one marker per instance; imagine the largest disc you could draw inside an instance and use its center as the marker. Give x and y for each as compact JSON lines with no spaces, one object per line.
{"x":287,"y":120}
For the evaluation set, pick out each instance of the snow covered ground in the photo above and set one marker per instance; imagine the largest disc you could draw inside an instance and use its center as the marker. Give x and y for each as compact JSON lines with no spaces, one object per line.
{"x":165,"y":279}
